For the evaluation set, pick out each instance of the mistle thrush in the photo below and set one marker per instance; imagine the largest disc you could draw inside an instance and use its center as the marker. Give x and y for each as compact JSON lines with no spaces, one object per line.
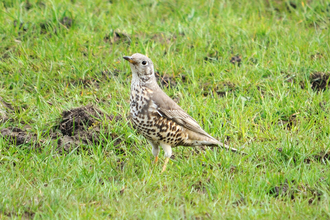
{"x":157,"y":117}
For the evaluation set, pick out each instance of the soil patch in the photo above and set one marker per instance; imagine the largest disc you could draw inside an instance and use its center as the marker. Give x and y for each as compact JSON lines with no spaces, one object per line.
{"x":221,"y":89}
{"x":5,"y":108}
{"x":239,"y":202}
{"x":292,"y":190}
{"x":67,"y":22}
{"x":78,"y":128}
{"x":18,"y":136}
{"x":166,"y":81}
{"x":236,"y":60}
{"x":288,"y":123}
{"x":212,"y":57}
{"x":27,"y":214}
{"x":317,"y":56}
{"x":83,"y":126}
{"x":117,"y":37}
{"x":282,"y":190}
{"x":323,"y":156}
{"x":319,"y":81}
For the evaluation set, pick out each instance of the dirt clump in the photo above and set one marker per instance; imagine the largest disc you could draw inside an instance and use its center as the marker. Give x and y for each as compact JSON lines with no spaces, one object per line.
{"x":317,"y":56}
{"x":85,"y":83}
{"x":18,"y":136}
{"x":5,"y":108}
{"x":221,"y":89}
{"x":27,"y":214}
{"x":282,"y":190}
{"x":83,"y":126}
{"x":117,"y":37}
{"x":290,"y":78}
{"x":323,"y":156}
{"x":165,"y":81}
{"x":319,"y":81}
{"x":236,"y":60}
{"x":67,"y":22}
{"x":293,"y":189}
{"x":289,"y":122}
{"x":78,"y":127}
{"x":212,"y":56}
{"x":239,"y":202}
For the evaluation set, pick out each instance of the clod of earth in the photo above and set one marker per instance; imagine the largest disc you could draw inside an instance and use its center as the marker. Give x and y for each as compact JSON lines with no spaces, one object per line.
{"x":66,"y":21}
{"x":319,"y":81}
{"x":212,"y":57}
{"x":82,"y":126}
{"x":290,"y":122}
{"x":79,"y":127}
{"x":18,"y":136}
{"x":316,"y":56}
{"x":5,"y":108}
{"x":282,"y":190}
{"x":290,"y":78}
{"x":220,"y":89}
{"x":22,"y":26}
{"x":236,"y":60}
{"x":87,"y":82}
{"x":323,"y":156}
{"x":165,"y":81}
{"x":117,"y":38}
{"x":28,"y":5}
{"x":239,"y":202}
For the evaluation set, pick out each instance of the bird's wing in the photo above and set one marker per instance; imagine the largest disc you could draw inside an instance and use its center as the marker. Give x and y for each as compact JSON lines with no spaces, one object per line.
{"x":168,"y":108}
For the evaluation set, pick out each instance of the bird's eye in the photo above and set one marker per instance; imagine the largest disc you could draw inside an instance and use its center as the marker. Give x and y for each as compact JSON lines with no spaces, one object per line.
{"x":144,"y":63}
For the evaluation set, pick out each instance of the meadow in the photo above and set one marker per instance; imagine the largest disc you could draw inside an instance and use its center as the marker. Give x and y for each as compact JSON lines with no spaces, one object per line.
{"x":254,"y":74}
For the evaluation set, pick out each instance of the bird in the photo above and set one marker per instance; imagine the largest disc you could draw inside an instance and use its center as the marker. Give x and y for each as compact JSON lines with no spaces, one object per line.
{"x":157,"y":117}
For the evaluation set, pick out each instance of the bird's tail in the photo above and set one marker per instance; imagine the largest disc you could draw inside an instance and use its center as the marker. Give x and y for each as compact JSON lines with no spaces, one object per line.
{"x":224,"y":146}
{"x":211,"y":141}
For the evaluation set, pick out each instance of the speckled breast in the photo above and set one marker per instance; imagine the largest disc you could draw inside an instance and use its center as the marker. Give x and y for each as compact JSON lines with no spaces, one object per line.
{"x":150,"y":123}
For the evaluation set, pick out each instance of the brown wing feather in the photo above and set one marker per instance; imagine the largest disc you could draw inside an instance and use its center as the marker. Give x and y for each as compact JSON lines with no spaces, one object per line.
{"x":167,"y":107}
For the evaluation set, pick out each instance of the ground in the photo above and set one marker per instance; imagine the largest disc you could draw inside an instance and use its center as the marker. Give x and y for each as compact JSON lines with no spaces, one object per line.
{"x":255,"y":74}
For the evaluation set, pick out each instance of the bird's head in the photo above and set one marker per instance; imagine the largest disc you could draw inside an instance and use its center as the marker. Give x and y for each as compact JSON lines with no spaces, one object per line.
{"x":142,"y":67}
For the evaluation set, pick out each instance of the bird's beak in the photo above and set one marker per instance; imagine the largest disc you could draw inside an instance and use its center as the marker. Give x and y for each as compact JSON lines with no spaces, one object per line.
{"x":129,"y":59}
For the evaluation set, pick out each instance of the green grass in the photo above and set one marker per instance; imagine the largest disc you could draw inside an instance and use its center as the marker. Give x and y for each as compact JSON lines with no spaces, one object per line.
{"x":45,"y":59}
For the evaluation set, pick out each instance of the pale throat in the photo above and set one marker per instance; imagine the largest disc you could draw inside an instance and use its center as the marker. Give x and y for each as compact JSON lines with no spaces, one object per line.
{"x":143,"y":80}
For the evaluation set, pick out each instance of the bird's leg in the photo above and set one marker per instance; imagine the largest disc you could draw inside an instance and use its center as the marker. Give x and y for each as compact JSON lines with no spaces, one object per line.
{"x":156,"y":160}
{"x":155,"y":150}
{"x":168,"y":153}
{"x":166,"y":161}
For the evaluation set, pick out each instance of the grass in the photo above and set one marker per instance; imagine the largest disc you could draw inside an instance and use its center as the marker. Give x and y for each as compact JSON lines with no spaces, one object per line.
{"x":58,"y":55}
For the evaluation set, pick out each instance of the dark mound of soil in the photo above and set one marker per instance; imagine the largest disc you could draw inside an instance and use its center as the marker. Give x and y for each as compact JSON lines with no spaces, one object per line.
{"x":236,"y":60}
{"x":80,"y":119}
{"x":83,"y":126}
{"x":319,"y":81}
{"x":78,"y":127}
{"x":18,"y":136}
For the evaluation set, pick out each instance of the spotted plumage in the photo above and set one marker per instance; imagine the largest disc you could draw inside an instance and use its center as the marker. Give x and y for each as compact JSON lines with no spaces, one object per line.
{"x":157,"y":117}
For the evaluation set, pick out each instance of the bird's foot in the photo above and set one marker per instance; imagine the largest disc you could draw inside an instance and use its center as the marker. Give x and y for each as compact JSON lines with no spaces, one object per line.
{"x":156,"y":160}
{"x":164,"y":166}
